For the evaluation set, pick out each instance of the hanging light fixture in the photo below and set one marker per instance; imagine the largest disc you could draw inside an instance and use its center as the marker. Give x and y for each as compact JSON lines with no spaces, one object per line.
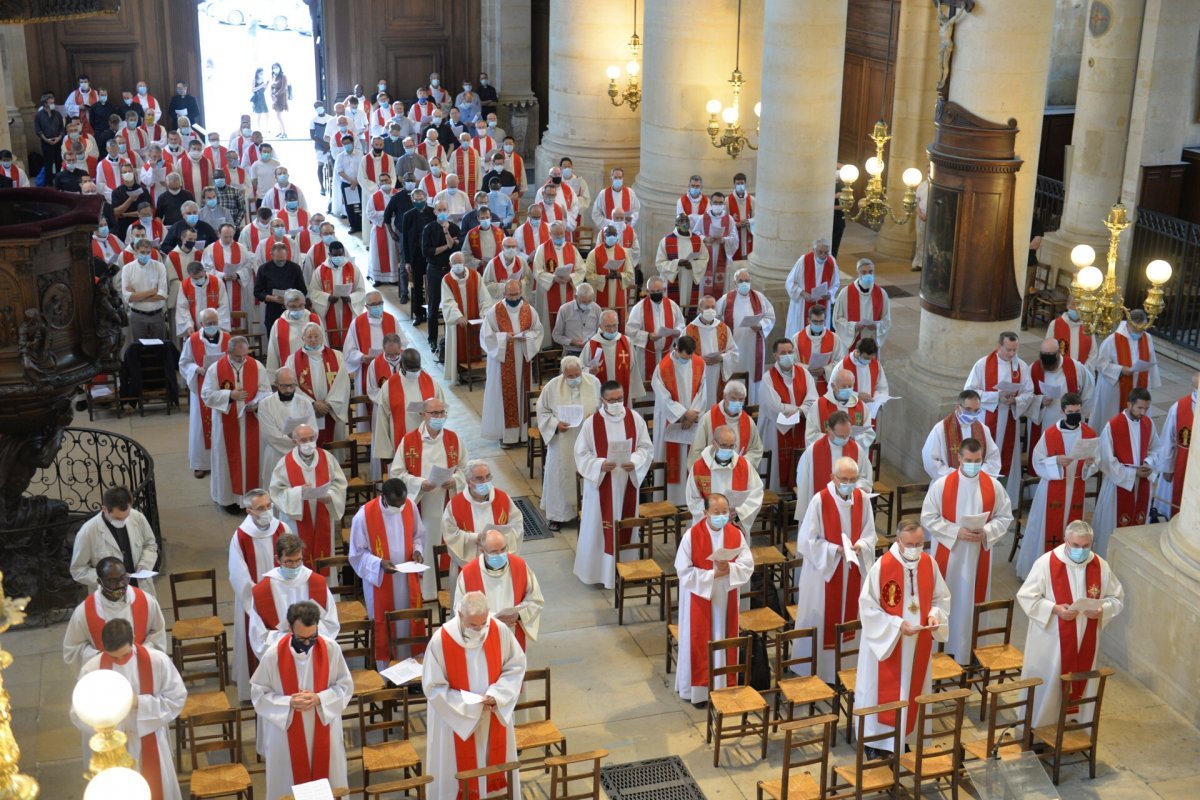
{"x":732,"y":139}
{"x":631,"y":95}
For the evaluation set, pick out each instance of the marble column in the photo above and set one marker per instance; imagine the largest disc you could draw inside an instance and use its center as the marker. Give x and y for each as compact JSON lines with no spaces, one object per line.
{"x":17,"y":102}
{"x":913,"y":103}
{"x":795,"y":196}
{"x":1096,"y":157}
{"x":995,"y":89}
{"x":585,"y":39}
{"x":689,"y":57}
{"x":507,"y":49}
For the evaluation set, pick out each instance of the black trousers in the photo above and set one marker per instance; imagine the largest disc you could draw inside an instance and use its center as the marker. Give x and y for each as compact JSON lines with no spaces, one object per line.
{"x":433,"y":290}
{"x":353,"y":211}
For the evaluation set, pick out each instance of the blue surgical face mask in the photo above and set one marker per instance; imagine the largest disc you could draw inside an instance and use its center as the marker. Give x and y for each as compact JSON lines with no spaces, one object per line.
{"x":610,"y":335}
{"x":496,"y":560}
{"x":609,"y":241}
{"x":617,"y":183}
{"x":210,"y":330}
{"x":292,"y":205}
{"x":693,"y":191}
{"x":1078,"y":554}
{"x":559,"y":241}
{"x":725,"y":454}
{"x":845,"y":489}
{"x":442,"y":216}
{"x":437,"y":423}
{"x":866,"y":281}
{"x":290,"y":573}
{"x":211,"y":202}
{"x":718,"y":521}
{"x":485,"y":224}
{"x":574,"y":383}
{"x":483,"y":489}
{"x":735,"y":406}
{"x":328,"y":239}
{"x":338,"y":261}
{"x":743,"y":289}
{"x":143,"y":258}
{"x":787,"y":360}
{"x":1073,"y":314}
{"x":376,"y":312}
{"x":102,"y":231}
{"x":971,"y":469}
{"x":838,"y":441}
{"x":817,"y":329}
{"x":969,"y":417}
{"x":191,"y":219}
{"x":842,"y":394}
{"x":219,"y":183}
{"x":295,"y":313}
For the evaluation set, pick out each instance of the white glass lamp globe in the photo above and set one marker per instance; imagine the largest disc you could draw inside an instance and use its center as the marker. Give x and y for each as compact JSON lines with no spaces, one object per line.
{"x":1158,"y":271}
{"x":758,"y":109}
{"x":613,"y":73}
{"x":848,"y":173}
{"x":713,"y":107}
{"x":633,"y":68}
{"x":1083,"y":255}
{"x":730,"y":115}
{"x":874,"y":167}
{"x":912,"y":177}
{"x":1090,"y":278}
{"x":117,"y":783}
{"x":102,"y":699}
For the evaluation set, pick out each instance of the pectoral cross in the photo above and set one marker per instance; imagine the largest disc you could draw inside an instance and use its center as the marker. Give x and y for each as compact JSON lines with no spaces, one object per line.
{"x":1093,"y":591}
{"x":622,"y":359}
{"x":913,"y":607}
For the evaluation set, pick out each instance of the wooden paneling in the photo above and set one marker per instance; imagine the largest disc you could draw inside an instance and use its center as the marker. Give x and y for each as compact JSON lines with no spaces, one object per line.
{"x":540,"y":63}
{"x":1162,"y":187}
{"x":156,"y":41}
{"x":401,"y":41}
{"x":1057,"y":125}
{"x":865,"y":70}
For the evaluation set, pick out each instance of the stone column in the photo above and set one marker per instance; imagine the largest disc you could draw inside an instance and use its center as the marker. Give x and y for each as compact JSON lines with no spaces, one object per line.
{"x":507,"y":54}
{"x":585,"y":39}
{"x":795,"y":195}
{"x":17,"y":103}
{"x":995,"y":89}
{"x":914,"y":100}
{"x":689,"y":57}
{"x":1096,"y":157}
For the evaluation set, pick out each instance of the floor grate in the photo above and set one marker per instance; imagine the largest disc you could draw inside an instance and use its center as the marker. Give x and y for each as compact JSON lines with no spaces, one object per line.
{"x":895,"y":292}
{"x":653,"y":779}
{"x":535,"y":521}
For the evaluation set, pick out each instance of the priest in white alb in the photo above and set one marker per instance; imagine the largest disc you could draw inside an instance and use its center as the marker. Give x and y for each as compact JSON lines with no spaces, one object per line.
{"x":558,"y":268}
{"x":1174,"y":447}
{"x":474,"y":669}
{"x":278,"y":415}
{"x":680,"y":398}
{"x":251,"y":555}
{"x":818,"y":347}
{"x":113,"y":598}
{"x":862,"y":309}
{"x":511,"y":336}
{"x":1126,"y":360}
{"x":751,"y":317}
{"x":904,"y":607}
{"x":966,"y":513}
{"x":575,"y":395}
{"x":1005,"y":393}
{"x":364,"y":340}
{"x":840,"y":396}
{"x":201,"y":351}
{"x":309,"y":489}
{"x":719,"y":469}
{"x":321,"y":375}
{"x":232,"y":389}
{"x":512,"y":590}
{"x":1054,"y":375}
{"x":1127,"y":446}
{"x":837,"y":541}
{"x":338,"y":293}
{"x":464,"y":300}
{"x":235,"y":266}
{"x":731,"y":411}
{"x":611,"y":356}
{"x":813,"y":280}
{"x":609,"y":270}
{"x":398,"y":401}
{"x":939,"y":455}
{"x":299,"y":693}
{"x":199,"y":292}
{"x":788,"y":392}
{"x":279,"y":588}
{"x":653,"y":325}
{"x":715,"y":344}
{"x":470,"y":512}
{"x":713,"y":563}
{"x":1074,"y":338}
{"x":682,"y":261}
{"x":287,"y":334}
{"x":610,"y":484}
{"x":816,"y":463}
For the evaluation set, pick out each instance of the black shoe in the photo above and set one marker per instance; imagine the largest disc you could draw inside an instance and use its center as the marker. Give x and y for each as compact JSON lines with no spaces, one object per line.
{"x":234,"y":509}
{"x":874,"y":753}
{"x":404,"y":299}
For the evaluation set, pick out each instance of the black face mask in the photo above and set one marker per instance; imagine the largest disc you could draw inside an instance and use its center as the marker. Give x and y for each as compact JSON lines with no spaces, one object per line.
{"x":376,"y":150}
{"x":1073,"y":418}
{"x":1049,"y":360}
{"x":556,"y":180}
{"x":656,"y":297}
{"x":287,"y":398}
{"x":302,"y":647}
{"x":513,"y":303}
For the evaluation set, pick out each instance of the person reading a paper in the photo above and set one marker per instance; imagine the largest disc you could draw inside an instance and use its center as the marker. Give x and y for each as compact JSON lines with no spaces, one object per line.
{"x":1054,"y":375}
{"x":837,"y":540}
{"x":386,"y":534}
{"x":309,"y":489}
{"x":713,"y":563}
{"x":1005,"y":389}
{"x":818,"y":347}
{"x":299,"y":692}
{"x":1125,"y":360}
{"x":816,"y":463}
{"x":720,"y":469}
{"x":1071,"y":594}
{"x":199,"y":352}
{"x":480,"y":507}
{"x":679,"y":400}
{"x":1127,"y":444}
{"x":251,"y":555}
{"x":511,"y":336}
{"x":966,"y":512}
{"x":512,"y":590}
{"x":565,"y":402}
{"x":114,"y":598}
{"x":904,"y":606}
{"x":279,"y":415}
{"x":474,"y":669}
{"x":750,"y":316}
{"x":788,"y":394}
{"x":813,"y":280}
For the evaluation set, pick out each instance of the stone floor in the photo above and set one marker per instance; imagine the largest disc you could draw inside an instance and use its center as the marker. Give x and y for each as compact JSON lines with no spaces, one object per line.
{"x":610,"y":688}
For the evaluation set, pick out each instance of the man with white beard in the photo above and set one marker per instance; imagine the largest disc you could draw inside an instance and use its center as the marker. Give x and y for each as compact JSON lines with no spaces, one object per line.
{"x":719,"y":469}
{"x":573,"y":394}
{"x":1005,"y":393}
{"x":481,"y":506}
{"x":653,"y":325}
{"x":610,"y":486}
{"x":511,"y":336}
{"x":734,"y":308}
{"x":385,"y":532}
{"x":817,"y":461}
{"x":200,"y":351}
{"x":966,"y":513}
{"x":715,"y":343}
{"x":680,"y":398}
{"x":398,"y":400}
{"x":299,"y":693}
{"x":709,"y":594}
{"x":309,"y":489}
{"x":731,"y":411}
{"x":232,"y":389}
{"x":278,"y":415}
{"x":837,"y":540}
{"x":904,"y":607}
{"x":473,"y":655}
{"x":251,"y":555}
{"x":610,"y":356}
{"x":512,"y":590}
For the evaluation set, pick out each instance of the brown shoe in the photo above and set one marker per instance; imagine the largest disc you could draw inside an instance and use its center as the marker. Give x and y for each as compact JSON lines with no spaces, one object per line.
{"x":200,"y":473}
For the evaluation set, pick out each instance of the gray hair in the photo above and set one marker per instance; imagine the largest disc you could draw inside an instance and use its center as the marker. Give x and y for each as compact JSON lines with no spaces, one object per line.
{"x":471,"y":604}
{"x":585,"y":290}
{"x":735,"y":388}
{"x":569,"y":362}
{"x":309,"y":326}
{"x":864,"y":262}
{"x":189,"y":205}
{"x":818,"y":242}
{"x":475,"y":463}
{"x":292,"y":294}
{"x":236,"y":340}
{"x":249,"y":497}
{"x":1079,"y":528}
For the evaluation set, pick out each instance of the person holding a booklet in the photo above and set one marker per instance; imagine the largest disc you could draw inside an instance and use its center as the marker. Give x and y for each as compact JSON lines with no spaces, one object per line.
{"x":813,"y":281}
{"x":750,"y":316}
{"x":231,"y":390}
{"x":680,"y":397}
{"x":863,"y":309}
{"x":713,"y":563}
{"x":715,"y":344}
{"x":564,"y":403}
{"x":119,"y":531}
{"x":840,"y":396}
{"x":1126,"y":360}
{"x":289,"y":582}
{"x":609,"y":270}
{"x":471,"y":512}
{"x":387,"y":545}
{"x":1071,"y":594}
{"x":1005,"y":389}
{"x":1055,"y":375}
{"x":1127,"y":447}
{"x":818,"y":347}
{"x":113,"y":598}
{"x":788,"y":395}
{"x":718,"y":468}
{"x":653,"y":325}
{"x":511,"y":336}
{"x":966,"y":513}
{"x":199,"y":352}
{"x":816,"y":463}
{"x":512,"y":590}
{"x":682,"y":261}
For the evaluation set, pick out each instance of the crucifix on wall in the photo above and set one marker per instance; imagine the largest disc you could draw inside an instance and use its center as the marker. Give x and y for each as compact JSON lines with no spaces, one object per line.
{"x":949,"y":13}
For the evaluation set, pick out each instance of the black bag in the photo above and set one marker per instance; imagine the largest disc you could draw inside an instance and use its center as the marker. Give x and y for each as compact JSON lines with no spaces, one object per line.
{"x":760,"y":665}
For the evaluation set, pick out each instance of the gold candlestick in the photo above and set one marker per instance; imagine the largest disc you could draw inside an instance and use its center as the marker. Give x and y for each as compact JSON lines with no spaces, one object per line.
{"x":13,"y":785}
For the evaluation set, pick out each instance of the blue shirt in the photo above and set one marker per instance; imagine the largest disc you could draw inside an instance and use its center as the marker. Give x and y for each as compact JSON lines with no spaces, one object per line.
{"x":501,"y":207}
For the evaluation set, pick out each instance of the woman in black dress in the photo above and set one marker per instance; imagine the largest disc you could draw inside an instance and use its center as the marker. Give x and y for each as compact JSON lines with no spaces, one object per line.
{"x":258,"y":99}
{"x":279,"y":96}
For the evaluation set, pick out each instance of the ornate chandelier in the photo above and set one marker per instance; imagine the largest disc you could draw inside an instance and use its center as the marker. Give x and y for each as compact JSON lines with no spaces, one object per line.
{"x":873,"y":207}
{"x":732,"y":139}
{"x":631,"y":95}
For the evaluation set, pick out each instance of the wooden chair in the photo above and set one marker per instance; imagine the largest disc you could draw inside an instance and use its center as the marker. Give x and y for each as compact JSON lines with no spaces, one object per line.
{"x":1001,"y":660}
{"x":385,"y":712}
{"x":472,"y":365}
{"x":196,"y":703}
{"x":200,"y":639}
{"x":240,"y":326}
{"x":466,"y":777}
{"x":441,"y":554}
{"x":736,"y":700}
{"x":671,"y":590}
{"x":771,"y":562}
{"x":661,"y":515}
{"x":359,"y":486}
{"x":413,"y":640}
{"x":846,"y":676}
{"x":542,"y":733}
{"x":885,"y":503}
{"x":641,"y":577}
{"x":535,"y":448}
{"x":908,"y":499}
{"x":103,"y":392}
{"x":547,"y":364}
{"x":991,"y":745}
{"x":933,"y":758}
{"x":645,"y":407}
{"x":1072,"y":735}
{"x":357,"y":640}
{"x":218,"y":780}
{"x":360,"y":415}
{"x":802,"y":785}
{"x":796,"y":689}
{"x":561,"y":777}
{"x":871,"y":776}
{"x":1043,"y":302}
{"x":348,"y":593}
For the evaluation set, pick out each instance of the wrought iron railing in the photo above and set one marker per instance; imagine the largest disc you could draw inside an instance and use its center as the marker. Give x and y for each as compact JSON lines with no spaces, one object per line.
{"x":35,"y":559}
{"x":1048,"y":202}
{"x":1157,"y":235}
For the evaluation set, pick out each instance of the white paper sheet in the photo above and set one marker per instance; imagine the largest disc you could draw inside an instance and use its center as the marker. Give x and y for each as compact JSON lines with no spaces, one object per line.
{"x":411,"y":568}
{"x":786,"y":419}
{"x":1087,"y":604}
{"x":352,"y":196}
{"x":1052,"y":390}
{"x":848,"y":550}
{"x":726,"y":553}
{"x":819,"y":360}
{"x":572,"y":415}
{"x":342,"y":289}
{"x":680,"y":435}
{"x":751,"y":321}
{"x":665,"y":332}
{"x":563,"y":271}
{"x":402,"y":672}
{"x":973,"y":522}
{"x":470,"y":698}
{"x":439,"y":474}
{"x":619,"y":452}
{"x":143,"y":574}
{"x":415,"y":406}
{"x":1008,"y":387}
{"x":695,"y":255}
{"x":615,"y":264}
{"x":877,"y":402}
{"x":820,"y":291}
{"x":1142,"y":366}
{"x":290,"y":424}
{"x":103,"y":391}
{"x":315,"y":492}
{"x":149,"y":342}
{"x":1085,"y":448}
{"x":313,"y":790}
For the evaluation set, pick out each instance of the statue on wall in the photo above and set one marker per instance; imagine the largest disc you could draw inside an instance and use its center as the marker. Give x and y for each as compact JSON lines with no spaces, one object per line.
{"x":949,"y":13}
{"x":33,"y":343}
{"x":111,"y":318}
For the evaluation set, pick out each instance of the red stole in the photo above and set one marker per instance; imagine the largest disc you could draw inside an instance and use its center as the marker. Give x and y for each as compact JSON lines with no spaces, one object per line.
{"x":756,"y":309}
{"x":666,"y":372}
{"x":242,"y":477}
{"x":283,"y":335}
{"x":1125,"y":359}
{"x":804,"y":351}
{"x":414,"y":450}
{"x":513,"y":394}
{"x":610,"y":200}
{"x":1060,"y":329}
{"x":304,"y":378}
{"x":716,"y":228}
{"x":854,"y":298}
{"x":151,"y":760}
{"x":1184,"y":415}
{"x":384,"y":600}
{"x":671,"y":250}
{"x":891,"y":598}
{"x":952,"y":433}
{"x":613,"y":294}
{"x":264,"y":598}
{"x":376,"y":166}
{"x":466,"y":168}
{"x":850,"y":366}
{"x":518,"y":571}
{"x":500,"y":270}
{"x":315,"y":533}
{"x":1037,"y":374}
{"x":199,"y":350}
{"x":841,"y":601}
{"x":464,"y":515}
{"x":473,"y":240}
{"x":717,"y":418}
{"x":337,"y":324}
{"x":983,"y":569}
{"x":188,"y":173}
{"x":787,"y":443}
{"x":382,"y":241}
{"x":139,"y":607}
{"x":1131,"y":505}
{"x":1077,"y":655}
{"x":558,"y":293}
{"x":218,"y":260}
{"x":304,"y":767}
{"x":527,"y":238}
{"x":822,"y":459}
{"x":212,"y":298}
{"x":693,"y":208}
{"x":399,"y":405}
{"x":245,"y":544}
{"x":620,"y":372}
{"x":1057,"y":515}
{"x":811,"y":279}
{"x":826,"y":408}
{"x":470,"y":309}
{"x":650,"y":326}
{"x":362,"y":331}
{"x":700,"y":608}
{"x":702,"y":473}
{"x":458,"y":677}
{"x":740,"y":213}
{"x":629,"y":497}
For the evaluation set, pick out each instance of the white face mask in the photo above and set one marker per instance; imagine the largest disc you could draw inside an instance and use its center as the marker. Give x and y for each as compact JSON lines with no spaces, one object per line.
{"x":615,"y":409}
{"x":911,"y":553}
{"x":307,"y":448}
{"x":708,"y":314}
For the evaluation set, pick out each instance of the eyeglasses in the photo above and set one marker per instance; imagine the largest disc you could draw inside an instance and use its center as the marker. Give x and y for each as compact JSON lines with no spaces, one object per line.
{"x":304,"y":639}
{"x":291,"y":562}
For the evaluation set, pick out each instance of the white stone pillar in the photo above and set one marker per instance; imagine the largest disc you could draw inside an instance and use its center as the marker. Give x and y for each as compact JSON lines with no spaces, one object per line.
{"x":17,"y":103}
{"x":795,"y":194}
{"x":1182,"y":543}
{"x":1096,"y":157}
{"x":690,"y":51}
{"x":913,"y":104}
{"x":507,"y":49}
{"x":586,"y":38}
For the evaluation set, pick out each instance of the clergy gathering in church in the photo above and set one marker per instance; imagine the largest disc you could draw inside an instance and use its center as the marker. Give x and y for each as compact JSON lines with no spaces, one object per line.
{"x":511,"y":371}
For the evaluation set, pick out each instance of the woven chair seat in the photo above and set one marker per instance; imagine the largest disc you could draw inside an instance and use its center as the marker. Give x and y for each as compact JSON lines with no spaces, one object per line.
{"x":542,"y":733}
{"x":736,"y":700}
{"x":389,"y":756}
{"x":219,"y":780}
{"x":945,"y":668}
{"x":199,"y":628}
{"x":1000,"y":657}
{"x":803,"y":690}
{"x":645,"y":569}
{"x":871,"y":780}
{"x":351,"y":611}
{"x":767,"y":556}
{"x":203,"y":703}
{"x":801,"y":786}
{"x":848,"y":678}
{"x":366,"y":680}
{"x":760,"y":620}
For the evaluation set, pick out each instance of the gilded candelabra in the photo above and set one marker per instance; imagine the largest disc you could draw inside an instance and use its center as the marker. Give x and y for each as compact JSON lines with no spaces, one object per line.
{"x":1098,"y":299}
{"x":13,"y":785}
{"x":631,"y":95}
{"x":874,"y":207}
{"x":732,"y":139}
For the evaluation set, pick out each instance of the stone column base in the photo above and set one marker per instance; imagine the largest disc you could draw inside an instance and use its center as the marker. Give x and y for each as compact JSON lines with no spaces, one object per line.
{"x":1160,"y":624}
